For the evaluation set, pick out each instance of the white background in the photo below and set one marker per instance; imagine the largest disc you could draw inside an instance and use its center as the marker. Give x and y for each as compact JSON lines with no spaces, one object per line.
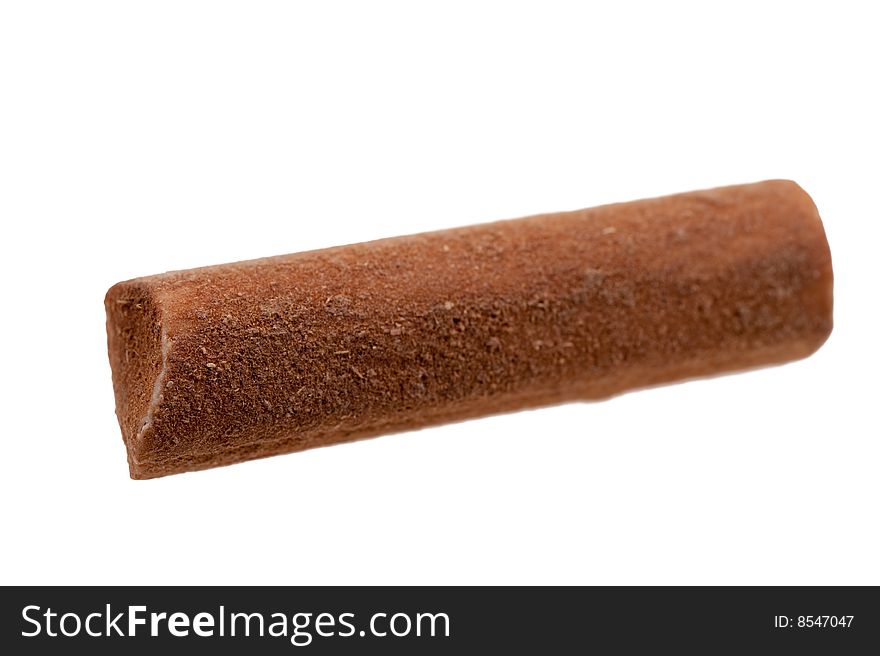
{"x":141,"y":137}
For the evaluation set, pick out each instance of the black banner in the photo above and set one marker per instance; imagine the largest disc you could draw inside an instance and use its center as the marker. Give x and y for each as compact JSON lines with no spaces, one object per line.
{"x":407,"y":620}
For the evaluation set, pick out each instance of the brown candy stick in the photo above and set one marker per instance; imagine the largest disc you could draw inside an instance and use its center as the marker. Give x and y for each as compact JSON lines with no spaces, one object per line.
{"x":221,"y":364}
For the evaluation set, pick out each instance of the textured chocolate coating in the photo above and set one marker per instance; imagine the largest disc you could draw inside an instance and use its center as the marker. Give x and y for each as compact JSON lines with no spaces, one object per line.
{"x":226,"y":363}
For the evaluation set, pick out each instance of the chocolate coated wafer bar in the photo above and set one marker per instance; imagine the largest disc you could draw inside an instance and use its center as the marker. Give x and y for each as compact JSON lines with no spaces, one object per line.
{"x":226,"y":363}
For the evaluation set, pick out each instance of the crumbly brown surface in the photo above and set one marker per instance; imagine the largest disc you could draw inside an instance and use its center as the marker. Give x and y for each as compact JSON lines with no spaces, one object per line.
{"x":226,"y":363}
